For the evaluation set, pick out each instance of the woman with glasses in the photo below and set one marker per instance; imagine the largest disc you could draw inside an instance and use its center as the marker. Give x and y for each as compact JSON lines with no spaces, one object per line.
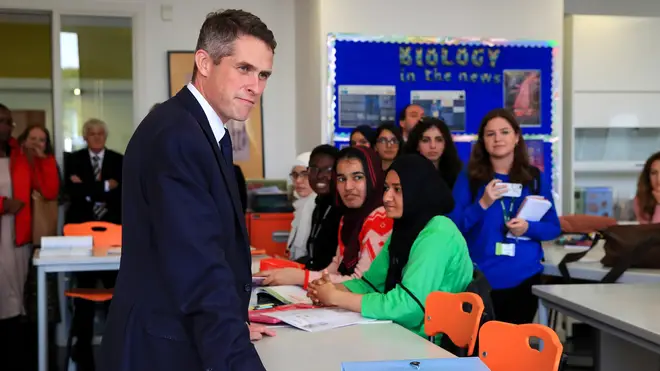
{"x":303,"y":206}
{"x":389,"y":141}
{"x":432,"y":139}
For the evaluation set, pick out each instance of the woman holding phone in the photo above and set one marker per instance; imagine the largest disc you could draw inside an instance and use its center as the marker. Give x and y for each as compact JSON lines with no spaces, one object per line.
{"x":488,"y":196}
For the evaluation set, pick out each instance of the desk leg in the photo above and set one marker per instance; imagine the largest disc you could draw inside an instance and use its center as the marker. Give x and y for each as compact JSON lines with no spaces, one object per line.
{"x":543,"y":313}
{"x":42,"y":319}
{"x":616,"y":354}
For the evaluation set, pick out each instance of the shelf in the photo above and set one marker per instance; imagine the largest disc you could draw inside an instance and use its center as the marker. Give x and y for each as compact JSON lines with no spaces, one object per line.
{"x":608,"y":166}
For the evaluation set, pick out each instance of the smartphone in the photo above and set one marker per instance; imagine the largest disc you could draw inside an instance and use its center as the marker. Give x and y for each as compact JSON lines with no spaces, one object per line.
{"x":513,"y":190}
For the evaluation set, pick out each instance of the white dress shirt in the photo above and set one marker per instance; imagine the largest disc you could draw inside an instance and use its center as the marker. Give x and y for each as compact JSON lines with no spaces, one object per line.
{"x":217,"y":126}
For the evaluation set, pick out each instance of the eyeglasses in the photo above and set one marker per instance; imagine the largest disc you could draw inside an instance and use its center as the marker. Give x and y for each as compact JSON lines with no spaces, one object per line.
{"x":295,"y":175}
{"x":315,"y":170}
{"x":386,"y":141}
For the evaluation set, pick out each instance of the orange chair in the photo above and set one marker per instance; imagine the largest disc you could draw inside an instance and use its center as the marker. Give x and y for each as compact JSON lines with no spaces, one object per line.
{"x":104,"y":235}
{"x":506,"y":347}
{"x":446,"y":314}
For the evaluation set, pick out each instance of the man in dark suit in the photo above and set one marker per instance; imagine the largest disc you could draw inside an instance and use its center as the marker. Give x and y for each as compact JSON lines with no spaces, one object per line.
{"x":182,"y":294}
{"x":92,"y":184}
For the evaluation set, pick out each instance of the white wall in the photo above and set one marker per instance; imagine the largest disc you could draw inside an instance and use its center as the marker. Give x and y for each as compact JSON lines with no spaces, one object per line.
{"x":153,"y":37}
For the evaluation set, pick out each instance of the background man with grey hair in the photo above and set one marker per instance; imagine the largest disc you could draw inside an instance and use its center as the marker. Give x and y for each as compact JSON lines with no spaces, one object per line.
{"x":182,"y":294}
{"x":92,"y":182}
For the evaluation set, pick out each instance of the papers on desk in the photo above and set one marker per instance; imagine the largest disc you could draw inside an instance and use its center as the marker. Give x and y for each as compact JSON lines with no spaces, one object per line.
{"x":319,"y":319}
{"x":66,"y":246}
{"x":444,"y":364}
{"x":532,"y":209}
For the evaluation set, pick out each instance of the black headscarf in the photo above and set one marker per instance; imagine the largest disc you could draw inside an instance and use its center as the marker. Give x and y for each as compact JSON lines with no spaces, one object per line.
{"x":367,"y":132}
{"x":425,"y":195}
{"x":354,"y":218}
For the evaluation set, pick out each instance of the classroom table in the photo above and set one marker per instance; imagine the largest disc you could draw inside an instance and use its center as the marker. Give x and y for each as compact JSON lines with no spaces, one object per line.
{"x":296,"y":350}
{"x":590,"y":268}
{"x":625,"y":315}
{"x":99,"y":261}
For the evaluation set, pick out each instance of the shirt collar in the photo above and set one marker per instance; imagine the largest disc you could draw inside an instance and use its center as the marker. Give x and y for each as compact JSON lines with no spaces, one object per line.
{"x":100,"y":154}
{"x":214,"y":120}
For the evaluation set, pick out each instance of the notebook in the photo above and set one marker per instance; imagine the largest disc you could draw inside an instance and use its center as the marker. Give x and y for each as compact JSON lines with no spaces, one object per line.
{"x":532,"y":209}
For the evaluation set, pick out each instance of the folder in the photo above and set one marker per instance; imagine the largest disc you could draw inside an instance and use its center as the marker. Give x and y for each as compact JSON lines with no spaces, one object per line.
{"x":275,"y":263}
{"x":437,"y":364}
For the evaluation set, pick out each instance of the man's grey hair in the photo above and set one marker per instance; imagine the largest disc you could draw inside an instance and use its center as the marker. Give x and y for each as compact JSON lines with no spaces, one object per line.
{"x":94,"y":123}
{"x":221,"y":29}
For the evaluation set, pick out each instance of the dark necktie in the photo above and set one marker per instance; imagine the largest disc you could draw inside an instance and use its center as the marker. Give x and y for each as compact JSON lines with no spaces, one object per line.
{"x":227,"y":151}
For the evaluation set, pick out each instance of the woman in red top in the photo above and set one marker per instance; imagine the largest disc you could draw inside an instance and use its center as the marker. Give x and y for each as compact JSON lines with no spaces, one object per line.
{"x":24,"y":169}
{"x":364,"y":227}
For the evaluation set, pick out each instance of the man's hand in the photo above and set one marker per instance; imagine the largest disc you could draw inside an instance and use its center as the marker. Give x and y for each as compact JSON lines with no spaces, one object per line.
{"x":75,"y":179}
{"x":257,"y":331}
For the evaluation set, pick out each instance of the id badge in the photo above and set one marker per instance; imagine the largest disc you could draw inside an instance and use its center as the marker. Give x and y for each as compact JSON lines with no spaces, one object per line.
{"x":505,"y":249}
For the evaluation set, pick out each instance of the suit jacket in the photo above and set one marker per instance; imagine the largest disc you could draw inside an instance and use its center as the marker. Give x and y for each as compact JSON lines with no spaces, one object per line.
{"x":182,"y":293}
{"x":82,"y":196}
{"x":242,"y":186}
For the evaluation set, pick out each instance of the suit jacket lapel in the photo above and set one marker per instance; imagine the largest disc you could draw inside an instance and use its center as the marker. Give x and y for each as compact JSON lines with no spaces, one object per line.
{"x":190,"y":103}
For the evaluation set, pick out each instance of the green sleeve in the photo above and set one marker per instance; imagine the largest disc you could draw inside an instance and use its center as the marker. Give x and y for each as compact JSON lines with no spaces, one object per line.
{"x":376,"y":274}
{"x":425,"y":272}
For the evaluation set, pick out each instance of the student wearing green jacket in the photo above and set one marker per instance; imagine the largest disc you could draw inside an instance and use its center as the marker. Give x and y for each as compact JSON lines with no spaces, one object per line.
{"x":425,"y":253}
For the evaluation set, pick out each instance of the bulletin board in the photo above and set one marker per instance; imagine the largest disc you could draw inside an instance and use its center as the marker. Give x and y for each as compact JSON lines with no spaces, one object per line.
{"x":247,"y":136}
{"x":372,"y":78}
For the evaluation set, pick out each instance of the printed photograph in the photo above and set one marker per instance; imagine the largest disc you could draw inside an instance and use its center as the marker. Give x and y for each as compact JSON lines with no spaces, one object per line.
{"x":522,"y":95}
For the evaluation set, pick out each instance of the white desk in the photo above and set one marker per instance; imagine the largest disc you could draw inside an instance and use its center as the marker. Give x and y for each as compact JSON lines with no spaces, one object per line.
{"x":326,"y":350}
{"x":626,"y":316}
{"x":591,"y":269}
{"x":100,"y":262}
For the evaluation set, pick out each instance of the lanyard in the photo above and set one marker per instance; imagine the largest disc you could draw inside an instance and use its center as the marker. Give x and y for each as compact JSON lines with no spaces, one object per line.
{"x":507,"y":215}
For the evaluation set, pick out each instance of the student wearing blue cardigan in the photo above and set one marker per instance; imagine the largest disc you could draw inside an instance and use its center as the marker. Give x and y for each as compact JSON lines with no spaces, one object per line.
{"x":484,"y":216}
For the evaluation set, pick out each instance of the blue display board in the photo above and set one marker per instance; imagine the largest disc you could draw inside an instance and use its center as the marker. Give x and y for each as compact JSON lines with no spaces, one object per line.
{"x":371,"y":79}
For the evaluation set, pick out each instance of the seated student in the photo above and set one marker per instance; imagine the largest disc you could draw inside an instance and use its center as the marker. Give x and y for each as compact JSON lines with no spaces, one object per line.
{"x":425,"y":253}
{"x":432,"y":139}
{"x":647,"y":200}
{"x":303,"y":206}
{"x":363,"y":136}
{"x":389,"y":143}
{"x":322,"y":242}
{"x":363,"y":229}
{"x":511,"y":265}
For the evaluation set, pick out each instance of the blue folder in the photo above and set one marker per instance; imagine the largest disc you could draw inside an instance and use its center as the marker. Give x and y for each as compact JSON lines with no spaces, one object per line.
{"x":438,"y":364}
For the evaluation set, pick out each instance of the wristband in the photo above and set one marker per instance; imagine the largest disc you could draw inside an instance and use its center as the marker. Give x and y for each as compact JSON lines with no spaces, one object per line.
{"x":306,"y":283}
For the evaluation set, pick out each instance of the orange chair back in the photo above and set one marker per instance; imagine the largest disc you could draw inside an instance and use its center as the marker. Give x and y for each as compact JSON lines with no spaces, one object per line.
{"x":104,"y":234}
{"x":445,"y":315}
{"x":505,"y":347}
{"x":95,"y":295}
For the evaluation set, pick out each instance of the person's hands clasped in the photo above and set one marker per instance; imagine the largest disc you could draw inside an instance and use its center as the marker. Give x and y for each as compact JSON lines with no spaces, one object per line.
{"x":517,"y":226}
{"x":257,"y":331}
{"x":494,"y":191}
{"x":323,"y":291}
{"x":282,"y":276}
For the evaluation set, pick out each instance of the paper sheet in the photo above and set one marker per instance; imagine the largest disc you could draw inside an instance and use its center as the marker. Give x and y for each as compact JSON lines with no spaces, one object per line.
{"x":320,"y":319}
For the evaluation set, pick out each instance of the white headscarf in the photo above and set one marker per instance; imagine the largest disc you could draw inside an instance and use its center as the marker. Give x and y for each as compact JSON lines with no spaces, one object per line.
{"x":302,"y":216}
